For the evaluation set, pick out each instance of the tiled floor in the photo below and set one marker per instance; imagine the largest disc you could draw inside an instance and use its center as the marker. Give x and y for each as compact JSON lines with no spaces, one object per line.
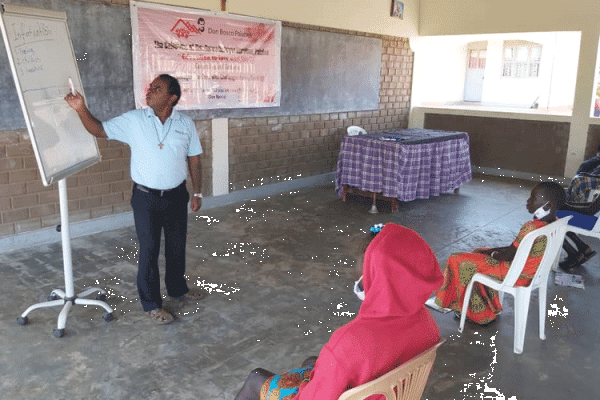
{"x":280,"y":274}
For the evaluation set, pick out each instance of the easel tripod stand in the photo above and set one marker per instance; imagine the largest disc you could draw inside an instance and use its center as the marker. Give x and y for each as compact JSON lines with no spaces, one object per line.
{"x":67,"y":298}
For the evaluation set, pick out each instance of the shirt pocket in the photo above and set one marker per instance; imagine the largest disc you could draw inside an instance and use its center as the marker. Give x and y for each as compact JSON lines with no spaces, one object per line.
{"x":181,"y":140}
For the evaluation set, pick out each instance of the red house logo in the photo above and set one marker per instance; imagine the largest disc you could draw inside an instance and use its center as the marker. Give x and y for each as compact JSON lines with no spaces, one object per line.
{"x":261,"y":32}
{"x":183,"y":28}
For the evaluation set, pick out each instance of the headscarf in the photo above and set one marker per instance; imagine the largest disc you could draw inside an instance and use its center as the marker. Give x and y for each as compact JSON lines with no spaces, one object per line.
{"x":400,"y":272}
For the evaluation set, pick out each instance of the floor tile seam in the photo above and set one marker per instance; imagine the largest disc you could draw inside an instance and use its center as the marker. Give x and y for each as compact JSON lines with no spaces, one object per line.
{"x":479,"y":228}
{"x":222,"y":362}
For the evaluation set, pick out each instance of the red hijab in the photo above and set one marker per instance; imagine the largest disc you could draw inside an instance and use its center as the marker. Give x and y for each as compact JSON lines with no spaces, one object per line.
{"x":400,"y":272}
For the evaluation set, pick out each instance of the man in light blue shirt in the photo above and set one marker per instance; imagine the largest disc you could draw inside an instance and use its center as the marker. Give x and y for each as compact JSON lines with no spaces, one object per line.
{"x":164,"y":146}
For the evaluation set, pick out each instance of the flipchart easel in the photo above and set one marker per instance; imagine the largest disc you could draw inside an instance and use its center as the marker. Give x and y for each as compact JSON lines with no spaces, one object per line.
{"x":43,"y":63}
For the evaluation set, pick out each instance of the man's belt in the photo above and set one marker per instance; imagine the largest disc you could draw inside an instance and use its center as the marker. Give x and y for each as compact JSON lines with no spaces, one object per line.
{"x":157,"y":192}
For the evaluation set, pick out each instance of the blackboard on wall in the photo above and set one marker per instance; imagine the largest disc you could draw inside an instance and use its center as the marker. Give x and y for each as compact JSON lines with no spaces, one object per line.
{"x":321,"y":72}
{"x":43,"y":67}
{"x":329,"y":72}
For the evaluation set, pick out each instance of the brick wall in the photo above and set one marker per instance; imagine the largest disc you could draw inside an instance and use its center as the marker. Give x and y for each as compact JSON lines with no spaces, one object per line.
{"x":262,"y":150}
{"x":101,"y":190}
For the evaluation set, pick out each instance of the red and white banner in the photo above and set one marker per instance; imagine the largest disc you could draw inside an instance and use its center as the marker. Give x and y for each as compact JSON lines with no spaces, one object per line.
{"x":221,"y":60}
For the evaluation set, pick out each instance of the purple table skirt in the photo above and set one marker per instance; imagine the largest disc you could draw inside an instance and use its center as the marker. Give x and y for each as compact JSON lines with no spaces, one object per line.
{"x":396,"y":168}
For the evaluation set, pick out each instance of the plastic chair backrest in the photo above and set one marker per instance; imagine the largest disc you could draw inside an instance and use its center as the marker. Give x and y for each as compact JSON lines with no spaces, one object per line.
{"x":594,"y":193}
{"x":554,"y":232}
{"x":405,"y":382}
{"x":355,"y":130}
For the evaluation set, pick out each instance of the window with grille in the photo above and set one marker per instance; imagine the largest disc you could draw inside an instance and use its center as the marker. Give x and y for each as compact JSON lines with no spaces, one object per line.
{"x":521,"y":59}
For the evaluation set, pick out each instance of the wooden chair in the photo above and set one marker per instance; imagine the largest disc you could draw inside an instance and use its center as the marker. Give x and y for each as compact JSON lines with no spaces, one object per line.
{"x":555,"y":234}
{"x":405,"y":382}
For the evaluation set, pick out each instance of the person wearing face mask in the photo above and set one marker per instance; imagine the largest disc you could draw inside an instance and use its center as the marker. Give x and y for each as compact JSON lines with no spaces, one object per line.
{"x":392,"y":326}
{"x":359,"y":289}
{"x":484,"y":304}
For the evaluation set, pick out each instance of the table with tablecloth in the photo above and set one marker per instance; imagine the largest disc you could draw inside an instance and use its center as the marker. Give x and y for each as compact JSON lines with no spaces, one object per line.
{"x":404,"y":164}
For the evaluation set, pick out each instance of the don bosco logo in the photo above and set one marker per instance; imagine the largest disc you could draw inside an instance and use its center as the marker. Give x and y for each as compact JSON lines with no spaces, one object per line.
{"x":186,"y":28}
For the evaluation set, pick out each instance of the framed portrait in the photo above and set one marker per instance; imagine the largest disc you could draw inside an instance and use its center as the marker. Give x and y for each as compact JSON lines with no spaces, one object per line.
{"x":397,"y":9}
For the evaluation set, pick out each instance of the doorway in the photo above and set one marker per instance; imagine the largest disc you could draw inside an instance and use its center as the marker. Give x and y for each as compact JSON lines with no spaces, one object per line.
{"x":475,"y":72}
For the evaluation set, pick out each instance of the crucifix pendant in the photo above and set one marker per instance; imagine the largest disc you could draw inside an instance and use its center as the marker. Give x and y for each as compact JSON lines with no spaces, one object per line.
{"x":160,"y":146}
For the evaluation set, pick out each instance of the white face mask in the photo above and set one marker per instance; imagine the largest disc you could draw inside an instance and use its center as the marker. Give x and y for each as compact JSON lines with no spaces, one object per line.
{"x":357,"y":290}
{"x":541,"y":212}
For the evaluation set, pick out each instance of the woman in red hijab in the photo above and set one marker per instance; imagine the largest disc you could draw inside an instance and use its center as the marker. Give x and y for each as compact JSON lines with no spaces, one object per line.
{"x":400,"y":272}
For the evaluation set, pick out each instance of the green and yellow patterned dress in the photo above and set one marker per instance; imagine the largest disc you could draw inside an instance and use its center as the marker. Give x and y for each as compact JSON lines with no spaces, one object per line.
{"x":485,"y":304}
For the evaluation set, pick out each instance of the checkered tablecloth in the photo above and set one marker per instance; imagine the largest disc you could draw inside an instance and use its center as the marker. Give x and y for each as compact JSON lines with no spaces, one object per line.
{"x":405,"y":164}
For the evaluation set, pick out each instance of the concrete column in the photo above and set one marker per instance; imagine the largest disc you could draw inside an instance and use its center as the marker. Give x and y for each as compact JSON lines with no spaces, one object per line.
{"x":583,"y":102}
{"x":416,"y":116}
{"x":220,"y":156}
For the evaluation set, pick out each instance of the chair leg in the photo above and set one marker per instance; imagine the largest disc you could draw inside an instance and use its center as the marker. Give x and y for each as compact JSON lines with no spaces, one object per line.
{"x":542,"y":305}
{"x":556,"y":261}
{"x":521,"y":311}
{"x":465,"y":307}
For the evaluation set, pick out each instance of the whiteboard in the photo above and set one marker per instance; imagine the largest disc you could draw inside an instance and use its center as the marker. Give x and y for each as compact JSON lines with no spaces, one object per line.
{"x":42,"y":61}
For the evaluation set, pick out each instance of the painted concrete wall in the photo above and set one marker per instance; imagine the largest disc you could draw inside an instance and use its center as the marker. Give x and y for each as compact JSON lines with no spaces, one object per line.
{"x":555,"y":85}
{"x":566,"y":62}
{"x":460,"y":17}
{"x":440,"y":66}
{"x":372,"y":16}
{"x":442,"y":82}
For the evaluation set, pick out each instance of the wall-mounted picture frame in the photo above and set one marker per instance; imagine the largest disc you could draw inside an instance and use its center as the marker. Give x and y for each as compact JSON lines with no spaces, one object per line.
{"x":397,"y":9}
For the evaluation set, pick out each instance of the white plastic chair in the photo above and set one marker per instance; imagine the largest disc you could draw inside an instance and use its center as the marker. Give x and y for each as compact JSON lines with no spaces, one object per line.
{"x":355,"y":130}
{"x":405,"y":382}
{"x":594,"y":232}
{"x":555,"y":234}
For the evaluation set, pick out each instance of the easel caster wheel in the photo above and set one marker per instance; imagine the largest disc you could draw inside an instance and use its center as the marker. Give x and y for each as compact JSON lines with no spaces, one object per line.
{"x":108,"y":317}
{"x":22,"y":320}
{"x":53,"y":297}
{"x":101,"y":297}
{"x":59,"y":333}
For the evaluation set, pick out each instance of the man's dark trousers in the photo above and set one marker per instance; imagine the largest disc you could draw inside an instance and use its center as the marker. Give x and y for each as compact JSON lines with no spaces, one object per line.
{"x":154,"y":211}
